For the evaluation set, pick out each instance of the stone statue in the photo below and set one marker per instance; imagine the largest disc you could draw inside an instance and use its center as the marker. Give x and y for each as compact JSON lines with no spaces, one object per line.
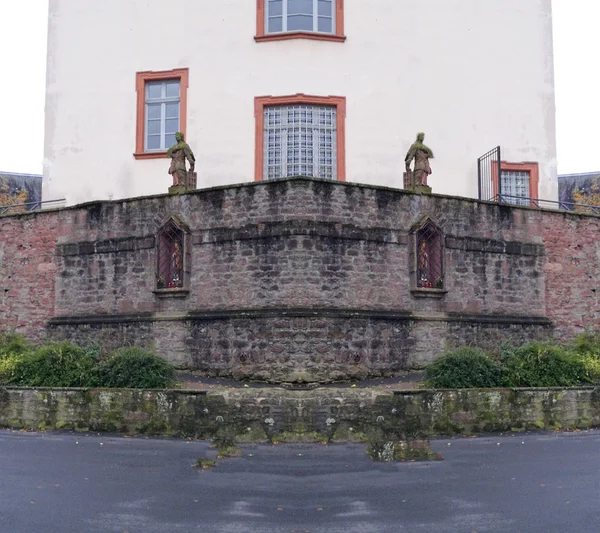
{"x":177,"y":265}
{"x":421,"y":154}
{"x":178,"y":154}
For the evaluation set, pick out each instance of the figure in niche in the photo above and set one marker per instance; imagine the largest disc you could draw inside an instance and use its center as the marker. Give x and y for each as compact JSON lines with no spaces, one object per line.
{"x":421,"y":155}
{"x":176,"y":266}
{"x":423,"y":269}
{"x":178,"y":154}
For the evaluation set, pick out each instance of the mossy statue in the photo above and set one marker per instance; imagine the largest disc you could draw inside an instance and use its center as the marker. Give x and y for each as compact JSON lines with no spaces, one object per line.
{"x":178,"y":154}
{"x":421,"y":155}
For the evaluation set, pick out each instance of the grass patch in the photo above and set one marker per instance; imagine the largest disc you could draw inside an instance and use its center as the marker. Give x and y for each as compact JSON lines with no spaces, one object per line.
{"x":204,"y":463}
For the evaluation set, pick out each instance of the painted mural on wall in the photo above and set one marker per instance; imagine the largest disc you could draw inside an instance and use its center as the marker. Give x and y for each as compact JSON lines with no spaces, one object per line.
{"x":588,"y":195}
{"x":583,"y":189}
{"x":19,"y":192}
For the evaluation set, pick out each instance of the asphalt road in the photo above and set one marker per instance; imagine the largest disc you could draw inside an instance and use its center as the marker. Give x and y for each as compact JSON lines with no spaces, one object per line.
{"x":68,"y":483}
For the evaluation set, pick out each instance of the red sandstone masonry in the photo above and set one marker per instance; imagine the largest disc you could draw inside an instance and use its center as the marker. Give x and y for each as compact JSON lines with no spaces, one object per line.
{"x":572,"y":271}
{"x":266,"y":271}
{"x":297,"y":270}
{"x":28,"y":271}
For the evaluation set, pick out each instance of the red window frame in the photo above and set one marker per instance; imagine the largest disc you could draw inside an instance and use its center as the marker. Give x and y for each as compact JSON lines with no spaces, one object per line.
{"x":262,"y":35}
{"x":141,"y":78}
{"x":338,"y":101}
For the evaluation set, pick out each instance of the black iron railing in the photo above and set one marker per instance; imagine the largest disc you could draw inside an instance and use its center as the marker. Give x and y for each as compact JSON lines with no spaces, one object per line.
{"x":31,"y":206}
{"x":547,"y":204}
{"x":488,"y":173}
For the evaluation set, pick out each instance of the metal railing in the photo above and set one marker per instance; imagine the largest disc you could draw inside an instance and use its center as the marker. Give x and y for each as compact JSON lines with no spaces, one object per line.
{"x":488,"y":173}
{"x":31,"y":206}
{"x":546,"y":204}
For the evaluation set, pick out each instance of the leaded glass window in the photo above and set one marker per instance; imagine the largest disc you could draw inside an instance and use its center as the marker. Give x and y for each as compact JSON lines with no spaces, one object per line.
{"x":300,"y":15}
{"x":429,"y":257}
{"x":300,"y":140}
{"x":171,"y":257}
{"x":515,"y":187}
{"x":162,"y":114}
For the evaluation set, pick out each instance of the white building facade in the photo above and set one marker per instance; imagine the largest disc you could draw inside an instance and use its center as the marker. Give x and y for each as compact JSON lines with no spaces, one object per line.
{"x":262,"y":89}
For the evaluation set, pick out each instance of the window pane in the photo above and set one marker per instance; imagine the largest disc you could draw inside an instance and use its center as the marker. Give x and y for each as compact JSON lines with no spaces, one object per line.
{"x":172,"y":110}
{"x":275,"y":8}
{"x":300,"y":22}
{"x":325,"y":25}
{"x":515,"y":187}
{"x":153,"y":111}
{"x":173,"y":89}
{"x":153,"y":142}
{"x":154,"y":90}
{"x":325,"y":8}
{"x":170,"y":141}
{"x":300,"y":140}
{"x":172,"y":125}
{"x":304,"y":7}
{"x":154,"y":127}
{"x":275,"y":25}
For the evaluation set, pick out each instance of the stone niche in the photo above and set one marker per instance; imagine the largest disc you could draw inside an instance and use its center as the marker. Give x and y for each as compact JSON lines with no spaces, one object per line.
{"x":298,"y":280}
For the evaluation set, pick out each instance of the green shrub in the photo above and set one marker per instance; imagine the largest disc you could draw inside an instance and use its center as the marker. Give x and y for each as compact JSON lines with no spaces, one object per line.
{"x":54,"y":365}
{"x":588,"y":344}
{"x":136,"y":368}
{"x":463,"y":368}
{"x":12,"y":348}
{"x":13,"y":344}
{"x":545,"y":365}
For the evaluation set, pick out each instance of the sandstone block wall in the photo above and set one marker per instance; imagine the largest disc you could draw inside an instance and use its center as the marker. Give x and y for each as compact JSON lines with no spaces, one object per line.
{"x":299,"y":279}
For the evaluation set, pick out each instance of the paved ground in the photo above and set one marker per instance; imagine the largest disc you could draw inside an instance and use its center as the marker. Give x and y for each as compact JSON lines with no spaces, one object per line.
{"x":75,"y":483}
{"x":188,"y":380}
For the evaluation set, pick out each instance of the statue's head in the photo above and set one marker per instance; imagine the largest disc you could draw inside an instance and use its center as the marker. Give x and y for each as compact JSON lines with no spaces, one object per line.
{"x":420,"y":137}
{"x":179,"y":137}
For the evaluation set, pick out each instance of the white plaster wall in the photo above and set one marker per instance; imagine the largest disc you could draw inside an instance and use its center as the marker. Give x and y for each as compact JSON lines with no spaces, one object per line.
{"x":472,"y":74}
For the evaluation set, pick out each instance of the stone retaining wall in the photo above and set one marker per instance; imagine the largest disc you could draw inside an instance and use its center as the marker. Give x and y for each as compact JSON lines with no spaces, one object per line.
{"x":299,"y":279}
{"x":330,"y":413}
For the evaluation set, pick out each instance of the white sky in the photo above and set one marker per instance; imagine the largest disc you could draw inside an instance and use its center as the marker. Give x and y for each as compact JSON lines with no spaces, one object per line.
{"x":23,"y":67}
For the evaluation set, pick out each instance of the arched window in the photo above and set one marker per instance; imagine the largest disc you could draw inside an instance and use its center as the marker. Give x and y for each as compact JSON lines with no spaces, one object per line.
{"x":172,"y":260}
{"x":429,"y":256}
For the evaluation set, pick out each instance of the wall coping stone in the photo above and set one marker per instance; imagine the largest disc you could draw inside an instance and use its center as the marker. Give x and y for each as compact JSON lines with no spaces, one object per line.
{"x":298,"y":180}
{"x":299,"y":312}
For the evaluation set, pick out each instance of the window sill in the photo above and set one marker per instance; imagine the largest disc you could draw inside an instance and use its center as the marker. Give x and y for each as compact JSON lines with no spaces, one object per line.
{"x":428,"y":293}
{"x":171,"y":293}
{"x":150,"y":155}
{"x":300,"y":35}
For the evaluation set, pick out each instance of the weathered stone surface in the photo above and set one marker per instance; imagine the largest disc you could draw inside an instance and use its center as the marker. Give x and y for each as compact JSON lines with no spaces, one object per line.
{"x":299,"y":345}
{"x":300,"y":244}
{"x":322,"y":414}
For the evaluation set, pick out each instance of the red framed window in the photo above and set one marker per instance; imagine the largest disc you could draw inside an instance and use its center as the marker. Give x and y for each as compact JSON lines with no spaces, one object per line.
{"x":517,"y":184}
{"x":300,"y":19}
{"x":161,"y":111}
{"x":300,"y":135}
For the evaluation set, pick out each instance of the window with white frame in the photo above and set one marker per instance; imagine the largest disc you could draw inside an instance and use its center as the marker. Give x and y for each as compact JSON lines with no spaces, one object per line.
{"x":162,"y":114}
{"x":300,"y":140}
{"x":300,"y":15}
{"x":515,"y":186}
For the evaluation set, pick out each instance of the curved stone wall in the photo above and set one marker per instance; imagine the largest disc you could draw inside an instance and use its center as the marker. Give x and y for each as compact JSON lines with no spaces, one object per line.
{"x":298,"y":279}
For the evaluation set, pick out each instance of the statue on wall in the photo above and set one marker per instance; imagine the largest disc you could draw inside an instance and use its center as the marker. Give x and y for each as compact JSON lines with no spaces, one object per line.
{"x":182,"y":179}
{"x":421,"y":154}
